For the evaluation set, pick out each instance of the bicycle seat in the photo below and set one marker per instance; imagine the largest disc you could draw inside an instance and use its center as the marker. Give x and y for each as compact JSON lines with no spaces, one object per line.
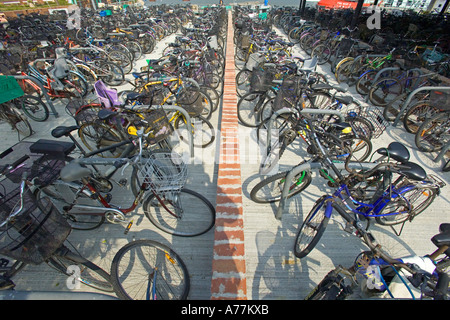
{"x":131,"y":96}
{"x":444,"y":228}
{"x":396,"y":151}
{"x":105,"y":114}
{"x":52,"y":147}
{"x":344,"y":99}
{"x":413,"y":171}
{"x":60,"y":131}
{"x":73,"y":172}
{"x":441,"y":239}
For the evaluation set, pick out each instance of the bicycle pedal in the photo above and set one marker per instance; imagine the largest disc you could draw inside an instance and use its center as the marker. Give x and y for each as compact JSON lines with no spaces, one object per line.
{"x":122,"y":182}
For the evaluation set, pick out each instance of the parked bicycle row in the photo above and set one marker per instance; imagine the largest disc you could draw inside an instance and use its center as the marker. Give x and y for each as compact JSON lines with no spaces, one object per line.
{"x":386,"y":70}
{"x":291,"y":102}
{"x":68,"y":183}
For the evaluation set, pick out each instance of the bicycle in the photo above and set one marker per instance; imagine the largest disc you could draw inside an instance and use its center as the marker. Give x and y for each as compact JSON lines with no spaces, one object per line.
{"x":169,"y":206}
{"x":370,"y":195}
{"x":186,"y":93}
{"x":382,"y":276}
{"x":33,"y":232}
{"x":75,"y":86}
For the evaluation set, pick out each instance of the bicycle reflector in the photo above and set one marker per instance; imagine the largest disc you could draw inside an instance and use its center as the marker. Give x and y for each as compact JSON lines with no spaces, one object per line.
{"x":347,"y":130}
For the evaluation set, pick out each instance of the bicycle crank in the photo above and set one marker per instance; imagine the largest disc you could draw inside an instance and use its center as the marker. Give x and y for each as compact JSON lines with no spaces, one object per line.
{"x":115,"y":216}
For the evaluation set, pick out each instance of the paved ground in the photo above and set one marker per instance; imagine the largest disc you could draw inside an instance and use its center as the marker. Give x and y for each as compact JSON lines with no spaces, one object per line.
{"x":272,"y":271}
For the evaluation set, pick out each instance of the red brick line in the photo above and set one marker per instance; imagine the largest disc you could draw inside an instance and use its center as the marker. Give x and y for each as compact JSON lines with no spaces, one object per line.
{"x":228,"y":267}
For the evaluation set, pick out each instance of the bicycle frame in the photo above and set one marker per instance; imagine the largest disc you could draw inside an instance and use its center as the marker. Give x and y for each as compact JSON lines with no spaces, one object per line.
{"x":368,"y":210}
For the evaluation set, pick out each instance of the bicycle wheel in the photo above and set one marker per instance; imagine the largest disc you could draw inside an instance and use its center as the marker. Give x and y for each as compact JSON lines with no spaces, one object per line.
{"x":203,"y":132}
{"x":148,"y":270}
{"x":249,"y":107}
{"x":406,"y":206}
{"x":96,"y":135}
{"x":343,"y":73}
{"x":63,"y":195}
{"x":312,"y":229}
{"x":417,"y":114}
{"x":34,"y":108}
{"x":361,"y":147}
{"x":385,"y":91}
{"x":392,"y":109}
{"x":365,"y":81}
{"x":81,"y":270}
{"x":434,"y":133}
{"x":322,"y":52}
{"x":243,"y":82}
{"x":110,"y":73}
{"x":17,"y":120}
{"x":190,"y":214}
{"x":121,"y":59}
{"x":269,"y":190}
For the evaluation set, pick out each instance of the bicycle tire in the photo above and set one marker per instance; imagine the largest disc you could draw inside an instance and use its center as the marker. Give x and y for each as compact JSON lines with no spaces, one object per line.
{"x":310,"y":230}
{"x":301,"y":182}
{"x":128,"y":282}
{"x":90,"y":274}
{"x":417,"y":114}
{"x":199,"y":220}
{"x":385,"y":91}
{"x":121,"y":59}
{"x":413,"y":197}
{"x":110,"y":73}
{"x":34,"y":108}
{"x":243,"y":82}
{"x":203,"y":135}
{"x":18,"y":121}
{"x":433,"y":135}
{"x":365,"y":82}
{"x":59,"y":196}
{"x":95,"y":135}
{"x":322,"y":52}
{"x":249,"y":107}
{"x":340,"y":61}
{"x":344,"y":71}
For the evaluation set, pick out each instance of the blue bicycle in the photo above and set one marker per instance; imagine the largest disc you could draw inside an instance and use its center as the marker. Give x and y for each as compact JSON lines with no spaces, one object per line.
{"x":393,"y":192}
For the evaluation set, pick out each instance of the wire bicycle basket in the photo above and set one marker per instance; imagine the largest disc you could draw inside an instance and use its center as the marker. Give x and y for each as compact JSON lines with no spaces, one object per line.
{"x":157,"y":126}
{"x":287,"y":96}
{"x":34,"y":234}
{"x":261,"y":78}
{"x":163,"y":172}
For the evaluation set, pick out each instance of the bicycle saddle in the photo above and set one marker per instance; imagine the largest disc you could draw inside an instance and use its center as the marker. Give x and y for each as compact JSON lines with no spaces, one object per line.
{"x":413,"y":171}
{"x":396,"y":151}
{"x":442,"y":239}
{"x":444,"y":228}
{"x":73,"y":172}
{"x":105,"y":114}
{"x":344,"y":99}
{"x":60,"y":131}
{"x":326,"y":86}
